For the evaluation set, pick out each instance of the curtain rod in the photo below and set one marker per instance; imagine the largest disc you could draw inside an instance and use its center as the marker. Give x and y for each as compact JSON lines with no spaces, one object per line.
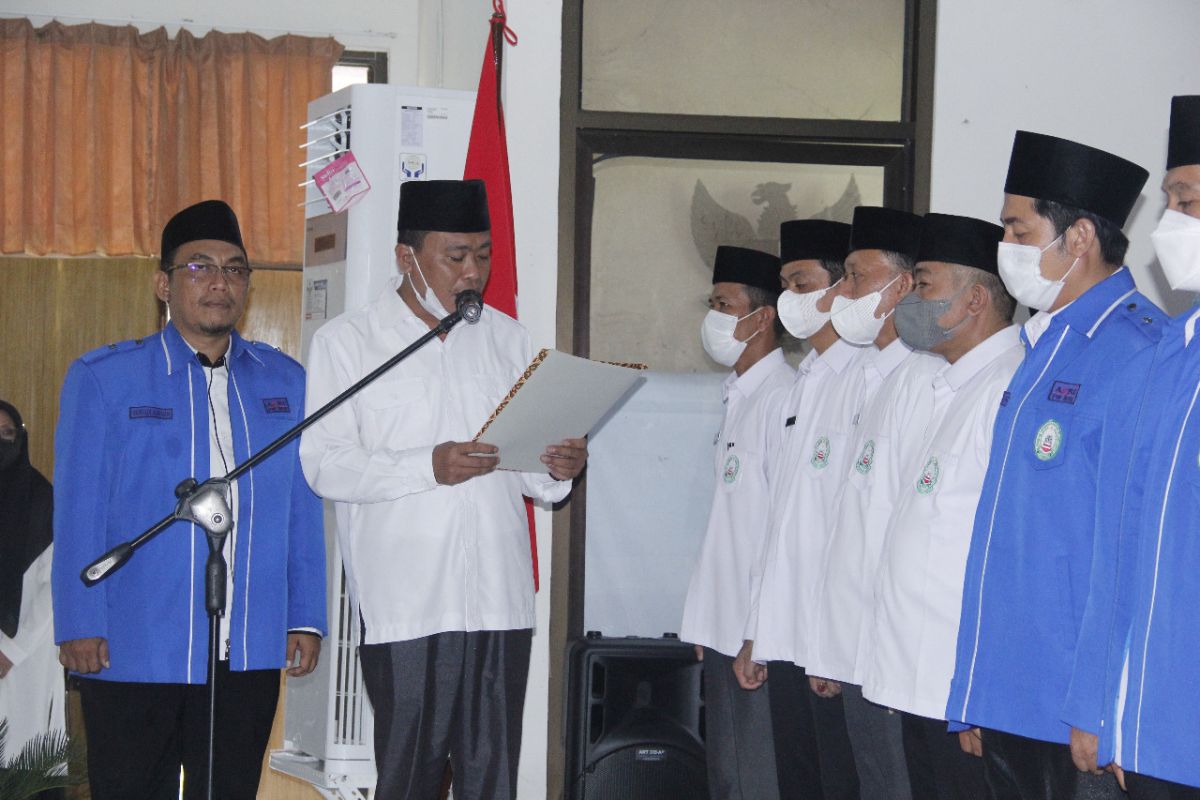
{"x":190,"y":23}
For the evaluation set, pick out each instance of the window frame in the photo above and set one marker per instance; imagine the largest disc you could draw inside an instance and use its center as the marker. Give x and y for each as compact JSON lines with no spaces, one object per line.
{"x":903,"y":148}
{"x":376,"y":62}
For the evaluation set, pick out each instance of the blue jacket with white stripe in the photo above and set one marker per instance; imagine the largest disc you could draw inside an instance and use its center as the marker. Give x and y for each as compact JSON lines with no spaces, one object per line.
{"x":1027,"y":574}
{"x":1135,"y":679}
{"x":133,"y":423}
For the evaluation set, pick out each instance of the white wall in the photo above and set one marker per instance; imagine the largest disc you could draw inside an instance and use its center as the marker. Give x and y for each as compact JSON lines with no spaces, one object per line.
{"x":531,"y":117}
{"x":1101,"y":72}
{"x":429,"y":43}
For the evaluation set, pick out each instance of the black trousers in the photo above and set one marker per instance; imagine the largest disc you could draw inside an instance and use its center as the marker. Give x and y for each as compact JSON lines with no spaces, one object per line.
{"x":1143,"y":787}
{"x":453,"y":695}
{"x":938,"y":769}
{"x":1019,"y":768}
{"x":140,"y":734}
{"x":813,"y":756}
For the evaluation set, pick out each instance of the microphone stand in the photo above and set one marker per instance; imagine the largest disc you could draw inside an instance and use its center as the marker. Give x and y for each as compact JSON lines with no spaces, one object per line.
{"x":207,"y":505}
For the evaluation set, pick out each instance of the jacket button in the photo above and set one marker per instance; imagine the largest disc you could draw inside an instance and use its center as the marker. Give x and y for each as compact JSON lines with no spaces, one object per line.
{"x":1132,"y":306}
{"x":1147,"y":320}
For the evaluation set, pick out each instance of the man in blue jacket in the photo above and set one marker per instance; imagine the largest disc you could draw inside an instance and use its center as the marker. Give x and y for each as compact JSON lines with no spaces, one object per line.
{"x":1134,"y":699}
{"x":136,"y":418}
{"x":1026,"y":580}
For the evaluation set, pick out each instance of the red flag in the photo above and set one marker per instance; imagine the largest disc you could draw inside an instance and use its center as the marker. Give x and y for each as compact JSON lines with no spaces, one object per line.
{"x":487,"y":158}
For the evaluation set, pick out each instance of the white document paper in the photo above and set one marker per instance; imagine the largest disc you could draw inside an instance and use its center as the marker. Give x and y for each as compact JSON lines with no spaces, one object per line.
{"x":565,"y":397}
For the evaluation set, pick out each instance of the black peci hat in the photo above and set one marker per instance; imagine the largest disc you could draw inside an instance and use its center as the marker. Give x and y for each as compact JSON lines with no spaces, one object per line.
{"x":1048,"y":168}
{"x":888,"y":229}
{"x":960,"y":240}
{"x":1183,"y":142}
{"x":748,"y":267}
{"x":208,"y":219}
{"x":450,"y":206}
{"x":813,"y":239}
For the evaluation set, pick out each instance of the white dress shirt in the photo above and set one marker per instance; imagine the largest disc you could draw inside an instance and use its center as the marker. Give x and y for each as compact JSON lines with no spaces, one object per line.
{"x":221,"y":461}
{"x":422,"y":558}
{"x":897,"y":403}
{"x":909,"y":658}
{"x":718,"y":598}
{"x":815,"y":421}
{"x":1037,"y":324}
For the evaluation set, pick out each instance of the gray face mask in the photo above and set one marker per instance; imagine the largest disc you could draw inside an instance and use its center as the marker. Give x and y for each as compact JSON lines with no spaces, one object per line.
{"x":916,"y":321}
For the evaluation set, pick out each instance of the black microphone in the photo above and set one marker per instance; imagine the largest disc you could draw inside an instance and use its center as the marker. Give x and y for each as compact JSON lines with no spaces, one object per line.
{"x":469,"y":304}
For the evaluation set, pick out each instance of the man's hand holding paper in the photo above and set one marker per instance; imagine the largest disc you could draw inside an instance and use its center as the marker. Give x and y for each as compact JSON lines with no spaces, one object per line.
{"x":565,"y":460}
{"x":456,"y":462}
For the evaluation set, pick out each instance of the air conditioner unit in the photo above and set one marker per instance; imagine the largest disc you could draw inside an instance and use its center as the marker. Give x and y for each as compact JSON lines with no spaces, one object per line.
{"x":396,"y":134}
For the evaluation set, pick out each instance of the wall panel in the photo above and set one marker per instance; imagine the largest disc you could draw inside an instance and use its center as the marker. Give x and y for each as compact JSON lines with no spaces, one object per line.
{"x":55,"y":309}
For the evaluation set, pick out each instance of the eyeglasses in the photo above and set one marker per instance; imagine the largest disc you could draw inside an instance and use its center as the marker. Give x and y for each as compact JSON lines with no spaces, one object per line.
{"x":198,"y":271}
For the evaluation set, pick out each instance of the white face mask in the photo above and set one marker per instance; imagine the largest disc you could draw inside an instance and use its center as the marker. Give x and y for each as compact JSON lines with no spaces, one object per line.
{"x":798,"y":312}
{"x":1177,"y":243}
{"x":1021,"y":270}
{"x":429,"y":301}
{"x":855,"y":320}
{"x":716,"y":334}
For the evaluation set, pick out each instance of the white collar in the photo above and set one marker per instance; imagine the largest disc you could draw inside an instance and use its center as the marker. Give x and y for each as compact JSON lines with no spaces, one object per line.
{"x":968,"y":366}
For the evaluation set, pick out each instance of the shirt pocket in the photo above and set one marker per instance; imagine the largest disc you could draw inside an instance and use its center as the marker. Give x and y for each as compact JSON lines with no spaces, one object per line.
{"x":826,"y":455}
{"x":1048,"y":438}
{"x":926,"y":481}
{"x":398,"y":414}
{"x":148,"y":433}
{"x":733,"y":469}
{"x":272,"y":416}
{"x":864,"y":470}
{"x":493,"y":388}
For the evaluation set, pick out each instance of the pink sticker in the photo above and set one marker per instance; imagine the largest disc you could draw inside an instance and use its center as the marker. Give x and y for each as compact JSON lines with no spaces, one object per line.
{"x":342,"y":182}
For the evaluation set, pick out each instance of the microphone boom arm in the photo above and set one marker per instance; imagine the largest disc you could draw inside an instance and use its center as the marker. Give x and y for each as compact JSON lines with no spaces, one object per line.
{"x":196,"y":499}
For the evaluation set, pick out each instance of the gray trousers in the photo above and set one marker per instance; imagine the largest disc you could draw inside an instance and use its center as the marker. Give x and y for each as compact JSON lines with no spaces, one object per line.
{"x":877,"y":736}
{"x":739,"y":748}
{"x":453,"y":695}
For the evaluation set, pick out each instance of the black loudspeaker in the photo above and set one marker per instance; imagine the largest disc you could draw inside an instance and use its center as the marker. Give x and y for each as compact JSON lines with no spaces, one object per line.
{"x":635,"y":721}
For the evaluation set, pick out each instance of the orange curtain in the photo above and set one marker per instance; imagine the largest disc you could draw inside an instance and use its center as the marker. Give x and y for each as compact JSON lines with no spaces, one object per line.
{"x":107,"y":132}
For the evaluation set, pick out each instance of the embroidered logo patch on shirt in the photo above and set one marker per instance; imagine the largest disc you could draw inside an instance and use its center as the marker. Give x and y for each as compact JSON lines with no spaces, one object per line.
{"x":1048,"y":440}
{"x":867,"y":459}
{"x":929,"y":476}
{"x":150,"y":412}
{"x":1004,"y":398}
{"x":277,"y":405}
{"x":820,"y":454}
{"x":1062,"y":392}
{"x":733,"y":465}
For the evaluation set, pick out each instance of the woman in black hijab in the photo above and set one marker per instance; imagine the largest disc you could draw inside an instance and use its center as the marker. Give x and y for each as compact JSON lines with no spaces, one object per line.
{"x":31,"y":683}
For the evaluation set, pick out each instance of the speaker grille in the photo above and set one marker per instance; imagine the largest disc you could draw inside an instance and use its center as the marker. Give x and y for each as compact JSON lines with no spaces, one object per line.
{"x":646,"y":772}
{"x":635,"y":721}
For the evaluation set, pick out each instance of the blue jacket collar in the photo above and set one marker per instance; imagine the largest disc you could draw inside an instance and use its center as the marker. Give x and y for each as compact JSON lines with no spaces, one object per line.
{"x":1092,"y":307}
{"x":178,"y":352}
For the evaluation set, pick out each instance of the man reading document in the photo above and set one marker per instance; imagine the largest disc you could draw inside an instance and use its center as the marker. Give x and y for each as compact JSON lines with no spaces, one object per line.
{"x":434,"y":536}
